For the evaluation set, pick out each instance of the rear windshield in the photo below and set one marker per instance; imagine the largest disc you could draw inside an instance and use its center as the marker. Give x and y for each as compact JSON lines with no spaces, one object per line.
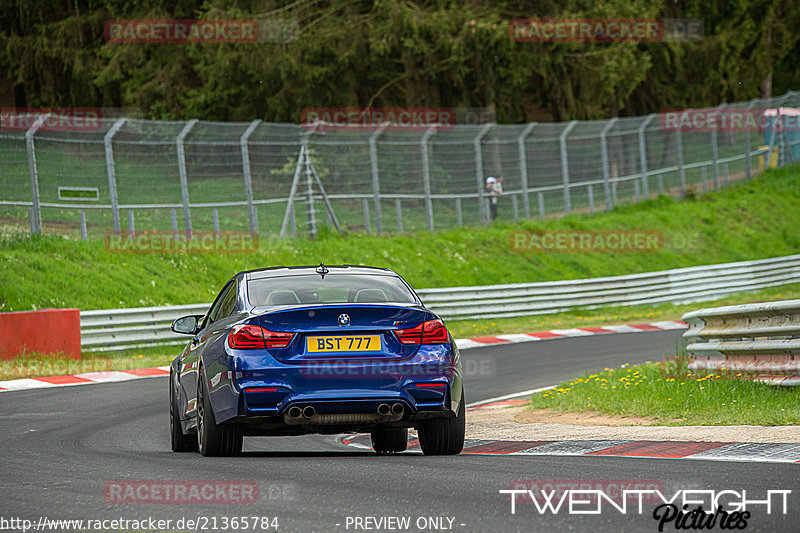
{"x":334,"y":288}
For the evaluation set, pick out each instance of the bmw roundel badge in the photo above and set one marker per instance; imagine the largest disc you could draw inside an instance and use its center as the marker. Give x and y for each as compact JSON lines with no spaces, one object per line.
{"x":344,"y":319}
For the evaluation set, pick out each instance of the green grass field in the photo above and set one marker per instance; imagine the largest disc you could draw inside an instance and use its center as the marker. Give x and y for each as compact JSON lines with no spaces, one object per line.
{"x":674,"y":396}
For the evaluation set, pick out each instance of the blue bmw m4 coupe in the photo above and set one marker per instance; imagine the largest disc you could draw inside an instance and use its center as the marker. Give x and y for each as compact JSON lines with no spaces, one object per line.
{"x":325,"y":349}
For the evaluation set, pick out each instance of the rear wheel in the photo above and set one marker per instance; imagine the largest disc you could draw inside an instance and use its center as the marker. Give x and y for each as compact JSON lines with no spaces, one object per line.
{"x":180,"y":442}
{"x":444,"y":436}
{"x":212,"y":439}
{"x":392,"y":440}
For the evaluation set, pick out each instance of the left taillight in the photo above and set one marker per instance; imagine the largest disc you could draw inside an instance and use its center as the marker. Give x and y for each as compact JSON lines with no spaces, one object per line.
{"x":250,"y":336}
{"x":430,"y":332}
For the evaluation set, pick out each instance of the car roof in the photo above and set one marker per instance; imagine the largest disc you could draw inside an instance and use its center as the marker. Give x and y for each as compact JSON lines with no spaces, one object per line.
{"x":271,"y":272}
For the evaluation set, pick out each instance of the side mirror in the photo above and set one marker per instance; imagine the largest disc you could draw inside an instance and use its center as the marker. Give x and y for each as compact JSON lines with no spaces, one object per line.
{"x":186,"y":324}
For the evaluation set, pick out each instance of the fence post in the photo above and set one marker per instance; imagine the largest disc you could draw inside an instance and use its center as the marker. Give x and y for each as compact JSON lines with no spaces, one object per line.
{"x":376,"y":184}
{"x":82,"y":218}
{"x":365,"y":206}
{"x":643,"y":154}
{"x":476,"y":145}
{"x":426,"y":174}
{"x":36,"y":213}
{"x":715,"y":152}
{"x":398,"y":209}
{"x":681,"y":170}
{"x":565,"y":164}
{"x":606,"y":163}
{"x":252,"y":214}
{"x":747,"y":147}
{"x":590,"y":190}
{"x":187,"y":216}
{"x":112,"y":172}
{"x":459,"y":214}
{"x":523,"y":165}
{"x":311,"y":215}
{"x":540,"y":200}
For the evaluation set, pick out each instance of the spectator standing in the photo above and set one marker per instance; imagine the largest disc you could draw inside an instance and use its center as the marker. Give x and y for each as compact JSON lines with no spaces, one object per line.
{"x":494,"y":188}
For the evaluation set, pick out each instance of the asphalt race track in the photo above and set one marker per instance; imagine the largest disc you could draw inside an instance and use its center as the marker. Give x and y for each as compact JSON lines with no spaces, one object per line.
{"x":61,"y":447}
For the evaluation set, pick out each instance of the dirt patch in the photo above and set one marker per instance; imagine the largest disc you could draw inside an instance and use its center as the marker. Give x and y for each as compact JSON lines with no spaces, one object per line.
{"x":519,"y":423}
{"x":590,"y":418}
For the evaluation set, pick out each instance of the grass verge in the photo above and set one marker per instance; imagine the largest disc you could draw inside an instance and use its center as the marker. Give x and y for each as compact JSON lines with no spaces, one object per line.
{"x":674,"y":396}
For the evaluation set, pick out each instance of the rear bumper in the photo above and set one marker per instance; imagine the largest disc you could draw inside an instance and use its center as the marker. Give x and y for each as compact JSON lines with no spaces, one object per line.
{"x":260,"y":391}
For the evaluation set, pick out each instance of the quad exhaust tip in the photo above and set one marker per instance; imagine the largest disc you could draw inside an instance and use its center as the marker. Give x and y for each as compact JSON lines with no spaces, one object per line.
{"x":309,"y":411}
{"x":295,"y":412}
{"x":384,"y":409}
{"x":398,"y":409}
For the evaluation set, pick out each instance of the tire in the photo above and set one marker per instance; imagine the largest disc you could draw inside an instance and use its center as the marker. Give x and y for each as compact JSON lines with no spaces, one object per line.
{"x":444,"y":436}
{"x":179,"y":441}
{"x":214,"y":440}
{"x":394,"y":440}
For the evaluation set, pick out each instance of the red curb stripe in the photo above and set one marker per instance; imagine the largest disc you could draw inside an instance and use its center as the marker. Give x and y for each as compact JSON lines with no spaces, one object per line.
{"x":674,"y":450}
{"x":501,"y":447}
{"x":502,"y":402}
{"x":546,"y":335}
{"x":490,"y":340}
{"x":146,"y":372}
{"x":646,"y":327}
{"x":63,"y":380}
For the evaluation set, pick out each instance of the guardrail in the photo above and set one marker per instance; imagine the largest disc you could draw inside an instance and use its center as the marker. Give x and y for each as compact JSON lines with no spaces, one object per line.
{"x":118,"y":328}
{"x":757,"y":340}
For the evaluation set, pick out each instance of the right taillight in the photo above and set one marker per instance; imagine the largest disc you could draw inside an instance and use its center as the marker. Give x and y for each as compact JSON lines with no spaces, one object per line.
{"x":430,"y":332}
{"x":251,"y":336}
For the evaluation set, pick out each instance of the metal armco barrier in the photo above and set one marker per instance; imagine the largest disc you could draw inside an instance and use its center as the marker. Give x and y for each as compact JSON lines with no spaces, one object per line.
{"x":757,"y":340}
{"x":118,"y":328}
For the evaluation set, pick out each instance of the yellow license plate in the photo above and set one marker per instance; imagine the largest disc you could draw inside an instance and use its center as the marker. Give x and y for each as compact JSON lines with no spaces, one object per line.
{"x":344,"y":343}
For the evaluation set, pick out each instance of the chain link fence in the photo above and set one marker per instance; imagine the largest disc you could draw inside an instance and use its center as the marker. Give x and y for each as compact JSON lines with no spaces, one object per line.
{"x":130,"y":175}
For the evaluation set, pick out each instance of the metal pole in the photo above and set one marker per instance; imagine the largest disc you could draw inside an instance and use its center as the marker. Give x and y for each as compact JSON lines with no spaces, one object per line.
{"x":365,"y":206}
{"x":523,"y":165}
{"x":459,"y":214}
{"x":515,"y":207}
{"x":376,"y":184}
{"x":715,"y":152}
{"x":112,"y":173}
{"x":605,"y":161}
{"x":36,"y":219}
{"x":540,"y":199}
{"x":426,"y":174}
{"x":173,"y":215}
{"x":747,"y":147}
{"x":643,"y":154}
{"x":252,"y":214}
{"x":565,"y":164}
{"x":215,"y":221}
{"x":288,"y":215}
{"x":703,"y":177}
{"x":187,"y":216}
{"x":476,"y":144}
{"x":681,"y":170}
{"x":311,"y":216}
{"x":591,"y":199}
{"x":84,"y":234}
{"x":398,"y":209}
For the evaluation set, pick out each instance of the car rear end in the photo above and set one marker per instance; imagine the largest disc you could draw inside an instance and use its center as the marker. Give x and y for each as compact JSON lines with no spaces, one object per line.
{"x":352,"y":349}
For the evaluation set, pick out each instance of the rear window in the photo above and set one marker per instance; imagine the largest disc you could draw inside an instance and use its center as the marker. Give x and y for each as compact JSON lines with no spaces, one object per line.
{"x":333,"y":289}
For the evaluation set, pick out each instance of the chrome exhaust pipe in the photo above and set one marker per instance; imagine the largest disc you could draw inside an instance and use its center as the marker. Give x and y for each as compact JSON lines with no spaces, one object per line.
{"x":384,"y":409}
{"x":398,"y":409}
{"x":309,"y":411}
{"x":295,"y":412}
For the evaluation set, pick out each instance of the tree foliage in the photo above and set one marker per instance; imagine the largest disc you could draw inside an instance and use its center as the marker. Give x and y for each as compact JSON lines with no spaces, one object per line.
{"x":387,"y":53}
